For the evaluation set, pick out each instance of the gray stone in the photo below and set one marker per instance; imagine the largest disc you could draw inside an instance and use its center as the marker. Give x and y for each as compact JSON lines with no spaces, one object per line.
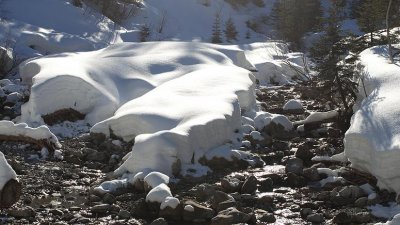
{"x":315,"y":218}
{"x":199,"y":214}
{"x":124,"y":214}
{"x":25,"y":212}
{"x":159,"y":221}
{"x":230,"y":216}
{"x":268,"y":218}
{"x":294,"y":165}
{"x":230,"y":184}
{"x":101,"y":208}
{"x":362,"y":217}
{"x":304,"y":212}
{"x":266,"y":185}
{"x":361,"y":202}
{"x":249,"y":185}
{"x":342,"y":218}
{"x":219,"y":197}
{"x":109,"y":198}
{"x":6,"y":60}
{"x":304,"y":152}
{"x":311,"y":174}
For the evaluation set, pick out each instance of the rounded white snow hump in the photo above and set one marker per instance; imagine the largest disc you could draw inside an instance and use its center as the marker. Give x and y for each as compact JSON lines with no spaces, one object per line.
{"x":372,"y":142}
{"x":6,"y":172}
{"x":175,"y":99}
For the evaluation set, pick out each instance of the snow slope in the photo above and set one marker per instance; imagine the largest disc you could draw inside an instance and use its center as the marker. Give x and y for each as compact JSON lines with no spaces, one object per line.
{"x":373,"y":141}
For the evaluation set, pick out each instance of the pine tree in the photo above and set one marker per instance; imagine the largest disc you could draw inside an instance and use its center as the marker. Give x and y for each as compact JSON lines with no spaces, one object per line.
{"x":230,"y":30}
{"x":293,"y":18}
{"x":372,"y":16}
{"x":216,"y":31}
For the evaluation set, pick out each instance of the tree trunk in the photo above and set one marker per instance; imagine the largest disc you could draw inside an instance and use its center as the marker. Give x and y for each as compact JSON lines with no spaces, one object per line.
{"x":388,"y":32}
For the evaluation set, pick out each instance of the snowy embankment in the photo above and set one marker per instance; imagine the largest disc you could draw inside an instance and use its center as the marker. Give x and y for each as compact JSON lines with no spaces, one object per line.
{"x":373,"y":141}
{"x":177,"y":100}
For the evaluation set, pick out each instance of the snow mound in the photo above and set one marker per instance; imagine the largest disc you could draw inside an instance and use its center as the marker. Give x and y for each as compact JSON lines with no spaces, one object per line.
{"x":8,"y":128}
{"x":6,"y":172}
{"x":175,"y":99}
{"x":275,"y":64}
{"x":159,"y":194}
{"x":372,"y":142}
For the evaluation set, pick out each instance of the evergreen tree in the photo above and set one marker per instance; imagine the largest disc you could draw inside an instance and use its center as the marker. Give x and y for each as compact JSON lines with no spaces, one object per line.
{"x":372,"y":16}
{"x":293,"y":18}
{"x":230,"y":30}
{"x":216,"y":31}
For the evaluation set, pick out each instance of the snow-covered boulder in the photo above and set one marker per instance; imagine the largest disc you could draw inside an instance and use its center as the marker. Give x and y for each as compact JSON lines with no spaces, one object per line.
{"x":22,"y":132}
{"x":294,"y":106}
{"x":372,"y":142}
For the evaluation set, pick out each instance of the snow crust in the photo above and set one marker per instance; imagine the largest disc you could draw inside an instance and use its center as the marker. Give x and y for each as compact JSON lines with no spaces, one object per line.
{"x":372,"y":142}
{"x":6,"y":172}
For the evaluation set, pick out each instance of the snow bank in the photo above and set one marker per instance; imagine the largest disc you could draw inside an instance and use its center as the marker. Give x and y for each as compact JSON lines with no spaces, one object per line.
{"x":8,"y":128}
{"x":6,"y":172}
{"x":275,"y":64}
{"x":180,"y":99}
{"x":373,"y":141}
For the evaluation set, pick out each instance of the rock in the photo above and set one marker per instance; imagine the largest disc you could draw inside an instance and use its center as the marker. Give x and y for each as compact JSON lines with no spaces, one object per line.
{"x":10,"y":194}
{"x":109,"y":198}
{"x":97,"y":138}
{"x":352,"y":192}
{"x":124,"y":214}
{"x":266,"y":185}
{"x":56,"y":212}
{"x":361,"y":202}
{"x":293,"y":106}
{"x":200,"y":213}
{"x":311,"y":174}
{"x":362,"y":217}
{"x":315,"y":218}
{"x":101,"y":208}
{"x":25,"y":212}
{"x":249,"y":185}
{"x":94,"y":155}
{"x":304,"y":212}
{"x":268,"y":218}
{"x":6,"y":60}
{"x":230,"y":216}
{"x":204,"y":191}
{"x":304,"y":153}
{"x":342,"y":218}
{"x":219,"y":197}
{"x":139,"y":209}
{"x":293,"y":180}
{"x":172,"y":213}
{"x":230,"y":184}
{"x":159,"y":221}
{"x":294,"y":165}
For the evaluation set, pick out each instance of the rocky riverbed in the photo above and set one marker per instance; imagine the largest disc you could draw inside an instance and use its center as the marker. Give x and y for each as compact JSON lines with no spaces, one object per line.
{"x":291,"y":188}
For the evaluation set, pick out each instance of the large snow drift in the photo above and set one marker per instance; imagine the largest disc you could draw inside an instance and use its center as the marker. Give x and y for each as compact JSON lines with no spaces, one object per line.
{"x":176,"y":99}
{"x":373,"y":141}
